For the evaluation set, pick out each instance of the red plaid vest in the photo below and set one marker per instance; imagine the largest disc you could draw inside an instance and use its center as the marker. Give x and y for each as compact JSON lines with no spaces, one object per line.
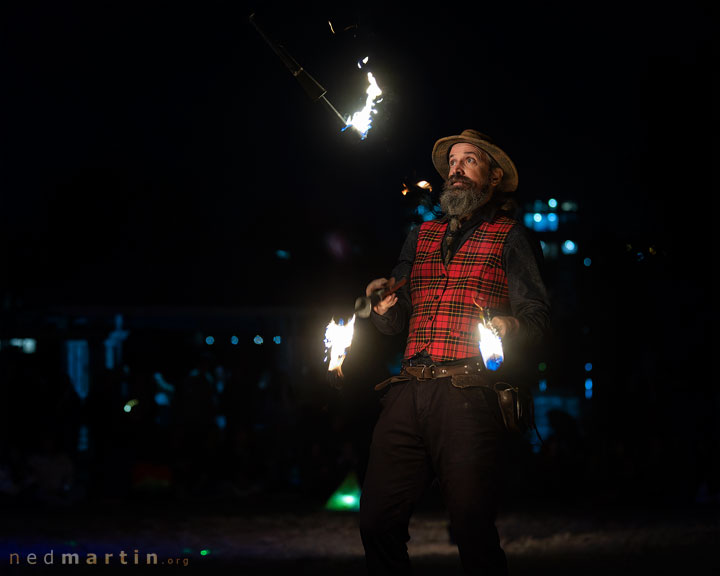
{"x":444,"y":319}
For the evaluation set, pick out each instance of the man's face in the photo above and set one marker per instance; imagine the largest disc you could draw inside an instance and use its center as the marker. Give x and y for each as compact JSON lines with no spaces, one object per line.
{"x":467,"y":163}
{"x":468,"y":184}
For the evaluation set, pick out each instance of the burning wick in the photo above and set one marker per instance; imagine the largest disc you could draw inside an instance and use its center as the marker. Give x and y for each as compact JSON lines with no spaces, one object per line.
{"x":338,"y":338}
{"x":491,"y":348}
{"x":362,"y":119}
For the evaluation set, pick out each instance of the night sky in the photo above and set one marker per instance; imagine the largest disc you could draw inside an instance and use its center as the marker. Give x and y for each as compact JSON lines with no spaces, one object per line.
{"x":160,"y":153}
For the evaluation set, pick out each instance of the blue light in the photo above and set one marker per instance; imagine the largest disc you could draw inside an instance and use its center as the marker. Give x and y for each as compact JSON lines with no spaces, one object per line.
{"x":552,"y":218}
{"x":234,"y":340}
{"x":282,"y":254}
{"x":277,"y":339}
{"x":537,"y":217}
{"x":209,"y":340}
{"x":569,"y":247}
{"x":494,"y":362}
{"x":552,"y":203}
{"x":421,"y":210}
{"x":588,"y":384}
{"x":588,"y":366}
{"x":587,"y":262}
{"x":542,"y":385}
{"x":258,"y":339}
{"x":428,"y":216}
{"x":161,"y":399}
{"x":588,"y":394}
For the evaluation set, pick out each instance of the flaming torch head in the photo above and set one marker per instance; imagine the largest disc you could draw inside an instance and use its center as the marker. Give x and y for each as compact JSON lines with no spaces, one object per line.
{"x":362,"y":119}
{"x":338,"y":338}
{"x":490,"y":347}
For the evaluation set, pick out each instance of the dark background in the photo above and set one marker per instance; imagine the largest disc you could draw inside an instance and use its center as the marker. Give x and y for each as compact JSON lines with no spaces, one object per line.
{"x":157,"y":155}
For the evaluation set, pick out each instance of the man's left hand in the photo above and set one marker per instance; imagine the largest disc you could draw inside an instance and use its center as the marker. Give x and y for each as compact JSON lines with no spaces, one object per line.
{"x":505,"y":325}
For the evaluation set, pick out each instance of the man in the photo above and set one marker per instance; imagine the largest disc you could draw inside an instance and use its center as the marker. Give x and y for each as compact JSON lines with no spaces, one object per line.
{"x":440,"y":417}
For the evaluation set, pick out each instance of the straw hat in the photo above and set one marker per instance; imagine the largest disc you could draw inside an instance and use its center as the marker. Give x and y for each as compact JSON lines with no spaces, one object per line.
{"x":441,"y":150}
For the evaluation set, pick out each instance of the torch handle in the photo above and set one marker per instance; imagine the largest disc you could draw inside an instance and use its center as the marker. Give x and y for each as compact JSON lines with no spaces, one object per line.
{"x":364,"y":304}
{"x":378,"y":295}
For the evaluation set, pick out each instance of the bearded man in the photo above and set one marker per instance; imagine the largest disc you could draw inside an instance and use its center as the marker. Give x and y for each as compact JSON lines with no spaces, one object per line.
{"x":440,"y":417}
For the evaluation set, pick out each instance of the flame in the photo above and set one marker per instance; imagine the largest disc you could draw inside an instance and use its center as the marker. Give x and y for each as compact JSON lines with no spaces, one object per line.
{"x":362,"y":119}
{"x":338,"y":338}
{"x":490,"y":347}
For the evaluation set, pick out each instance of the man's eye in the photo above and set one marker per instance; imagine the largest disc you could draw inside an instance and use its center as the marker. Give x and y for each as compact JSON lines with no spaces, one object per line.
{"x":470,"y":160}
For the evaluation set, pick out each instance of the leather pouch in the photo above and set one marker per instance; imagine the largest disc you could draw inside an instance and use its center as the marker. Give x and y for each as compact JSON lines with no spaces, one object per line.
{"x":516,"y":406}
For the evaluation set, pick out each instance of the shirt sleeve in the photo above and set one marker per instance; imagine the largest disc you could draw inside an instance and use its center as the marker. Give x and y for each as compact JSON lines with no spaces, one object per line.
{"x":396,"y":318}
{"x":523,"y":263}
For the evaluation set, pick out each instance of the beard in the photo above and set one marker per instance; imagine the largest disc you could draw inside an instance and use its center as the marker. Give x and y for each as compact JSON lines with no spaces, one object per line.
{"x":462,"y":201}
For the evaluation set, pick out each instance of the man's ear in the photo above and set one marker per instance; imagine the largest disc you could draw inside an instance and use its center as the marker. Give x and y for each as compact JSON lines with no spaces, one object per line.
{"x":496,"y":176}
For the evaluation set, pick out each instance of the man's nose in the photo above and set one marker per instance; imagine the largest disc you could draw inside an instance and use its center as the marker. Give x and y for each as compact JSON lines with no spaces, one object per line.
{"x":456,"y":169}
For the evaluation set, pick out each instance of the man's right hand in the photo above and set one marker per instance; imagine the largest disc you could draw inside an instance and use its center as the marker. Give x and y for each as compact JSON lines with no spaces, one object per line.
{"x":386,"y":303}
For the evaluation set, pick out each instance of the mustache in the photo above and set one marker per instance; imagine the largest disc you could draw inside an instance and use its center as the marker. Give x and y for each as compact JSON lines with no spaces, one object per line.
{"x":458,"y":178}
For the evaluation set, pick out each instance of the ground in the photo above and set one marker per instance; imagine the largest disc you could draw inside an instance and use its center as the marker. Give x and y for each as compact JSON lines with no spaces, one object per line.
{"x":281,"y":535}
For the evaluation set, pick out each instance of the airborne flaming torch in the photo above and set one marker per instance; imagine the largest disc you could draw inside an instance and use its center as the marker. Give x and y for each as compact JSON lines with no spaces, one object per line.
{"x":361,"y":121}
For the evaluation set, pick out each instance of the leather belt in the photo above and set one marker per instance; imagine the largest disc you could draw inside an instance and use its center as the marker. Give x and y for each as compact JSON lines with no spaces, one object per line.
{"x":433,"y":371}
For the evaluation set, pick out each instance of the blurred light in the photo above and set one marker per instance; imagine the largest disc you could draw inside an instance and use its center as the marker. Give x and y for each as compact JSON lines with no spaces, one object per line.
{"x":425,"y":185}
{"x":282,"y":254}
{"x":542,"y":366}
{"x":421,"y":209}
{"x":541,"y":221}
{"x":130,"y":404}
{"x":569,"y":247}
{"x":77,"y":364}
{"x":347,"y":496}
{"x":542,"y":385}
{"x":587,"y":262}
{"x":428,"y":216}
{"x":277,"y":339}
{"x":234,"y":340}
{"x":552,"y":203}
{"x":83,"y":438}
{"x":204,"y":552}
{"x":258,"y":339}
{"x":28,"y":345}
{"x":221,"y":421}
{"x":588,"y":394}
{"x":405,"y":191}
{"x":569,"y":206}
{"x":161,"y":399}
{"x":588,"y":384}
{"x":209,"y":340}
{"x":588,"y":366}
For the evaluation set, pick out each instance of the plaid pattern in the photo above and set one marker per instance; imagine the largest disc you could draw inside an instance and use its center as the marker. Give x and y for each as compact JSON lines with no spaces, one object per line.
{"x":445,"y":318}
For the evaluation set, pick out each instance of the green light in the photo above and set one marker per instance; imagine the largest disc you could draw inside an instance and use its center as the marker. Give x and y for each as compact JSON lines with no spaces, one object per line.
{"x":130,"y":404}
{"x":347,"y":496}
{"x":204,"y":552}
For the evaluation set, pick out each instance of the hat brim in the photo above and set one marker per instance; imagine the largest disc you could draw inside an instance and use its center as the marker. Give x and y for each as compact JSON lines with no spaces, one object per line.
{"x":441,"y":150}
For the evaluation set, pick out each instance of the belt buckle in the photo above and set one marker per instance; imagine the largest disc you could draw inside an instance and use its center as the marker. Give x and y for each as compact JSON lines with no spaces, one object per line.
{"x":432,"y":372}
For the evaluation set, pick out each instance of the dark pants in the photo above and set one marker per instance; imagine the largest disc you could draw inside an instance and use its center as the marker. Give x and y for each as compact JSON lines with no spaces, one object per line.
{"x":432,"y":429}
